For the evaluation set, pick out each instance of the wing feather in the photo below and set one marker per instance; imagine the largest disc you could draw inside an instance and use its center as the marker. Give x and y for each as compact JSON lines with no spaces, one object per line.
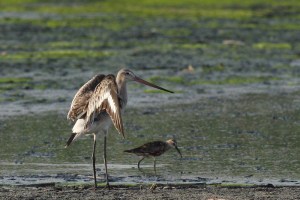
{"x":151,"y":148}
{"x":105,"y":98}
{"x":81,"y":98}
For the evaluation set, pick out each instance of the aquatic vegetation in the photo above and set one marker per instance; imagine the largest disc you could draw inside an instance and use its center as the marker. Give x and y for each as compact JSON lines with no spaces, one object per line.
{"x":215,"y":68}
{"x":265,"y":45}
{"x":67,"y":53}
{"x":236,"y":80}
{"x":58,"y":37}
{"x":174,"y":79}
{"x":191,"y":9}
{"x":177,"y":32}
{"x":14,"y":79}
{"x":231,"y":80}
{"x":64,"y":44}
{"x":194,"y":46}
{"x":11,"y":83}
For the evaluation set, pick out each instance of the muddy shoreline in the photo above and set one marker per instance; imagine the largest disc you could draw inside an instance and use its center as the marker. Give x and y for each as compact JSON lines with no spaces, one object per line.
{"x":151,"y":192}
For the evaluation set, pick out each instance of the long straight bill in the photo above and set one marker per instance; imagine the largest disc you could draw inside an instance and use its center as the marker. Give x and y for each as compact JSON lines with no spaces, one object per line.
{"x":150,"y":84}
{"x":178,"y":151}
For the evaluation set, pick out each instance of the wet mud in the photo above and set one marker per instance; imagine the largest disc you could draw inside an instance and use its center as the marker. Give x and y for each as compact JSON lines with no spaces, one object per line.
{"x":151,"y":192}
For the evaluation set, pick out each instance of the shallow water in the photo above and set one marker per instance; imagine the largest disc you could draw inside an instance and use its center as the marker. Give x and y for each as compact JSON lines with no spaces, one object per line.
{"x":250,"y":138}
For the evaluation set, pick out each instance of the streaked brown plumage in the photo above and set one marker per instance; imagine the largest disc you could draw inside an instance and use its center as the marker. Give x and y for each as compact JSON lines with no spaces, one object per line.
{"x":154,"y":149}
{"x":79,"y":103}
{"x":97,"y":104}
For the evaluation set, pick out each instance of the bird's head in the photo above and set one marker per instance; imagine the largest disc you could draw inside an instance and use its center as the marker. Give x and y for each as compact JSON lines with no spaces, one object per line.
{"x":126,"y":74}
{"x":173,"y":143}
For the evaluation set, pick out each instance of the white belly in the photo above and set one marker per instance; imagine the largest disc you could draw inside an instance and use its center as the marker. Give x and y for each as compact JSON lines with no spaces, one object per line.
{"x":101,"y":124}
{"x":98,"y":126}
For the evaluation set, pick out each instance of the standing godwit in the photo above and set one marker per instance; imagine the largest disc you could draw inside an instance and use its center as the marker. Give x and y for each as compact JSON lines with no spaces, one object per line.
{"x":154,"y":149}
{"x":97,"y":104}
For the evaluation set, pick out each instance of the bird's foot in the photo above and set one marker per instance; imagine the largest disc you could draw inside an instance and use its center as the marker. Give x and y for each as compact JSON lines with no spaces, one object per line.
{"x":107,"y":186}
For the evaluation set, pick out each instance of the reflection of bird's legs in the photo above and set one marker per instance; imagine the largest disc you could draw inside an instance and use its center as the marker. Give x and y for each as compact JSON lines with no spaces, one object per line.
{"x":140,"y":162}
{"x":105,"y":162}
{"x":94,"y":161}
{"x":154,"y":165}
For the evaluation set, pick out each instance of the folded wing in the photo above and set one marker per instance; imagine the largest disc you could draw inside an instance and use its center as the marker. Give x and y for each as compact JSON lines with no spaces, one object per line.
{"x":80,"y":101}
{"x":105,"y":98}
{"x":154,"y":148}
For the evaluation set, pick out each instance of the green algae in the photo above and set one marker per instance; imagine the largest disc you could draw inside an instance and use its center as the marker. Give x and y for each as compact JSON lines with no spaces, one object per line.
{"x":64,"y":44}
{"x":15,"y":79}
{"x":177,"y":32}
{"x":173,"y":79}
{"x":66,"y":53}
{"x":72,"y":53}
{"x":232,"y":80}
{"x":215,"y":68}
{"x":85,"y":35}
{"x":12,"y":83}
{"x":230,"y":9}
{"x":194,"y":46}
{"x":265,"y":45}
{"x":236,"y":80}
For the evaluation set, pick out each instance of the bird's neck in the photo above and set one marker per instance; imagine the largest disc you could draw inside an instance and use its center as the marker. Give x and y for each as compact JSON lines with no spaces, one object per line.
{"x":122,"y":92}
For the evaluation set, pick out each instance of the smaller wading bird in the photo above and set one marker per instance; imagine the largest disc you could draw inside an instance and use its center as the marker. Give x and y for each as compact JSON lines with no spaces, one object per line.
{"x":155,"y":148}
{"x":100,"y":103}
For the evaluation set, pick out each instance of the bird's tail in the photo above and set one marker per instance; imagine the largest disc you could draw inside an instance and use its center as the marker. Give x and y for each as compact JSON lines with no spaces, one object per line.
{"x":70,"y":140}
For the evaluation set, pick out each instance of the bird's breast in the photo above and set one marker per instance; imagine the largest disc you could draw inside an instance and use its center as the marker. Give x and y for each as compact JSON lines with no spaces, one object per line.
{"x":156,"y":153}
{"x":101,"y":122}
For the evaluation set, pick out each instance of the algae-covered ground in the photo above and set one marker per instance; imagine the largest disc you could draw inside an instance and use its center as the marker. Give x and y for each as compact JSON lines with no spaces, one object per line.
{"x":233,"y":65}
{"x":55,"y":45}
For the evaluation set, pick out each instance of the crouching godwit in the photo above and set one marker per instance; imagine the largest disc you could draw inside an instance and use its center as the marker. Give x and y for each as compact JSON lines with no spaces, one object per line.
{"x":154,"y":149}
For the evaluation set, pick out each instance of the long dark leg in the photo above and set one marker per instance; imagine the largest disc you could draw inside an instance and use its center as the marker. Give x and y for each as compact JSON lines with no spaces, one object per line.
{"x":105,"y":162}
{"x":154,"y":166}
{"x":139,"y":163}
{"x":94,"y":161}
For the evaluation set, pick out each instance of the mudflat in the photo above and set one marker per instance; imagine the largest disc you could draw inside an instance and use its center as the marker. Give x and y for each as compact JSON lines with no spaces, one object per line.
{"x":152,"y":192}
